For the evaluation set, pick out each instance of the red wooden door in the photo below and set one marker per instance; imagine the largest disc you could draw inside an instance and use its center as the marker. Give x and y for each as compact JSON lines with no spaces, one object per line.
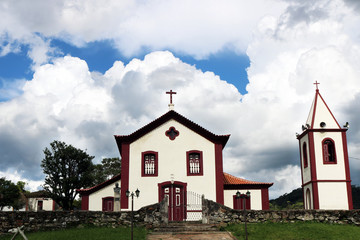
{"x":108,"y":204}
{"x":176,"y":201}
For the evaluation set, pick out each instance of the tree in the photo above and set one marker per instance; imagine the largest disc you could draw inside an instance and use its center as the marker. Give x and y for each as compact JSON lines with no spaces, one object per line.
{"x":67,"y":169}
{"x":9,"y":193}
{"x":108,"y":168}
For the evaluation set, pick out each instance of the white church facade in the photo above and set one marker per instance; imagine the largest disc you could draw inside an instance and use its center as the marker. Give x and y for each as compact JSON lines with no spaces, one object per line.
{"x":175,"y":157}
{"x":324,"y":160}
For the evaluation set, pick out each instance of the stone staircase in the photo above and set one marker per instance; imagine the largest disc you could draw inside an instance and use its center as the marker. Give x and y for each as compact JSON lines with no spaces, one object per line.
{"x":185,"y":227}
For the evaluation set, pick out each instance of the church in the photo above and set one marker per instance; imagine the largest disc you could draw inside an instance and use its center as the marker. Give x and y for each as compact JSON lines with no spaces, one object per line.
{"x":324,"y":160}
{"x":174,"y":157}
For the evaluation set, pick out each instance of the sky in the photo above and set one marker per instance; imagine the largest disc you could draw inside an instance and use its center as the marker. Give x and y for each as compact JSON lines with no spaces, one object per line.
{"x":84,"y":71}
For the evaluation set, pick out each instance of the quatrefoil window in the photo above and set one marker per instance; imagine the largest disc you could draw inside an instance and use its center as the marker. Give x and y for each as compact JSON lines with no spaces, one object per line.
{"x":172,"y":133}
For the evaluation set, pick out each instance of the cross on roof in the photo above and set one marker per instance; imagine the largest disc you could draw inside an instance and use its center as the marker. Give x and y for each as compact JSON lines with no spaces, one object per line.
{"x":316,"y":83}
{"x":171,"y":93}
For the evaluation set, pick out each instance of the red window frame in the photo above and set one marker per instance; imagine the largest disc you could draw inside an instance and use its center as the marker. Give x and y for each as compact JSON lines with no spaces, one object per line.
{"x":329,"y":151}
{"x":305,"y":155}
{"x":189,"y":165}
{"x":238,"y":202}
{"x":143,"y":155}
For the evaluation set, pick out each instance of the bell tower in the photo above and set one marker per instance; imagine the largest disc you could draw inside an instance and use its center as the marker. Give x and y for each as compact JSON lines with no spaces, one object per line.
{"x":324,"y":159}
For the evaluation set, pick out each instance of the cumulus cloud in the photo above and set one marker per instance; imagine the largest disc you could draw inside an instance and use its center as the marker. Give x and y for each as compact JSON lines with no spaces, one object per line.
{"x":197,"y":28}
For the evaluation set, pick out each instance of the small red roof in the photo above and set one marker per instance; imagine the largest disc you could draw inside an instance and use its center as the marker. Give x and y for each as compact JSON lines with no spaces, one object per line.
{"x":87,"y":191}
{"x":230,"y":180}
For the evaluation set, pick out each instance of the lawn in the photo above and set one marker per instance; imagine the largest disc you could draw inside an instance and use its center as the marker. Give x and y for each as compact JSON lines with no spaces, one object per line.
{"x":299,"y":230}
{"x":262,"y":231}
{"x":88,"y":233}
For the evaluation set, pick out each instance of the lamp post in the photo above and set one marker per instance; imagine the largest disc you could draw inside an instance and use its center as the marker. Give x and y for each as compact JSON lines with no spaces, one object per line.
{"x":117,"y":206}
{"x":137,"y":193}
{"x":244,"y":197}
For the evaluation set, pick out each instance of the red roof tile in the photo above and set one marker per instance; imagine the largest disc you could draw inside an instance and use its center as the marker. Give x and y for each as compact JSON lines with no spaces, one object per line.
{"x":232,"y":180}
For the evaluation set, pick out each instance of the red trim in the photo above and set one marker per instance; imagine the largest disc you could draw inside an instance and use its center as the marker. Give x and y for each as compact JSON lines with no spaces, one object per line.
{"x":200,"y":163}
{"x":53,"y":205}
{"x":315,"y":106}
{"x":222,"y":139}
{"x":314,"y":109}
{"x":328,"y":109}
{"x":320,"y":130}
{"x":265,"y":199}
{"x":85,"y":202}
{"x":125,"y":150}
{"x":172,"y":137}
{"x":313,"y":171}
{"x":312,"y":181}
{"x":347,"y":170}
{"x":99,"y":186}
{"x":168,"y":183}
{"x":219,"y":175}
{"x":143,"y":164}
{"x":323,"y":151}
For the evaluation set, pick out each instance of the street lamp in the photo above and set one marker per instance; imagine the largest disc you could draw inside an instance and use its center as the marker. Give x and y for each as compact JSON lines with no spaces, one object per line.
{"x":244,"y":197}
{"x":128,"y":194}
{"x":117,"y":198}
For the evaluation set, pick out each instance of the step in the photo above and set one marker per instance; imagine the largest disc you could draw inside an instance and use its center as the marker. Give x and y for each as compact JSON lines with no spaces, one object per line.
{"x":186,"y":227}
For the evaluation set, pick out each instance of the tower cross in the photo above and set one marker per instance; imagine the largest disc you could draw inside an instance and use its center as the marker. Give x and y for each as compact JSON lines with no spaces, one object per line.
{"x":171,"y":93}
{"x":316,"y":83}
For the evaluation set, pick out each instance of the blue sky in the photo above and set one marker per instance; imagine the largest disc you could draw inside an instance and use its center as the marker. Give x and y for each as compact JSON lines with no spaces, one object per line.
{"x":101,"y":55}
{"x":60,"y":79}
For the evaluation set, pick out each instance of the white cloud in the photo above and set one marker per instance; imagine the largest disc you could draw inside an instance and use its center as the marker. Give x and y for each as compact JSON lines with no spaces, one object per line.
{"x":197,"y":28}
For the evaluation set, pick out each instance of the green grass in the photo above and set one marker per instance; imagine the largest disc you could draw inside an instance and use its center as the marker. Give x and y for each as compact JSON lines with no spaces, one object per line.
{"x":299,"y":230}
{"x":87,"y":233}
{"x":263,"y":231}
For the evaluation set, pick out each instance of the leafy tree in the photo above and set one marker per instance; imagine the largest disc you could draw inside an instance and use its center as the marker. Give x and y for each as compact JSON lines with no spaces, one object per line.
{"x":21,"y":186}
{"x":108,"y":168}
{"x":66,"y":168}
{"x":9,"y":193}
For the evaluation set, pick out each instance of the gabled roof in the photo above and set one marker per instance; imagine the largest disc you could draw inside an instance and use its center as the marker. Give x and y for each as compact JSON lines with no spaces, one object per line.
{"x":222,"y":139}
{"x":232,"y":182}
{"x":88,"y":191}
{"x":320,"y":112}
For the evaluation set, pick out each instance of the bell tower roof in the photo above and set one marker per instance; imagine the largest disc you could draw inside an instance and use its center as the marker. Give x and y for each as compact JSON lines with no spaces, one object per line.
{"x":320,"y":115}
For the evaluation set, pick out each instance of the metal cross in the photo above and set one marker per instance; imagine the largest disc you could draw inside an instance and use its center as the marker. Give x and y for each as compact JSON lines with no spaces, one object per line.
{"x":171,"y":93}
{"x":316,"y":83}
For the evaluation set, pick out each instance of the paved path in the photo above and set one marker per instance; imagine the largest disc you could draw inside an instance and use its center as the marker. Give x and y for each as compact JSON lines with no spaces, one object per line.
{"x":191,"y":236}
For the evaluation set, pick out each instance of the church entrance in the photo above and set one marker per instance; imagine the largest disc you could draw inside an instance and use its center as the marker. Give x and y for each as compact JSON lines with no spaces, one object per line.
{"x":176,"y":195}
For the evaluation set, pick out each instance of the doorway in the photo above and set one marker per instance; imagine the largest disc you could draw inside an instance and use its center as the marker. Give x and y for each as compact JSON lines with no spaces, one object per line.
{"x":176,"y":195}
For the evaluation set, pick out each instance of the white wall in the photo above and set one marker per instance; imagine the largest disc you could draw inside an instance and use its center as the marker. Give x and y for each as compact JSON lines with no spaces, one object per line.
{"x":306,"y":171}
{"x":95,"y":199}
{"x":33,"y":204}
{"x":333,"y":195}
{"x":255,"y":199}
{"x":171,"y":160}
{"x":329,"y":171}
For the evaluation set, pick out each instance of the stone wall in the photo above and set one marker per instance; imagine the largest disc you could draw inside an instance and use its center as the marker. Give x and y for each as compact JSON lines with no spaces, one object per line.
{"x":216,"y":213}
{"x":148,"y":216}
{"x":156,"y":214}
